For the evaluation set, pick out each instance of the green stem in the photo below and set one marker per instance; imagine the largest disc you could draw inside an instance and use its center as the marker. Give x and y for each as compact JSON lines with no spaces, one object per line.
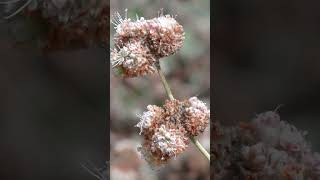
{"x":169,"y":93}
{"x":164,"y":81}
{"x":200,"y":147}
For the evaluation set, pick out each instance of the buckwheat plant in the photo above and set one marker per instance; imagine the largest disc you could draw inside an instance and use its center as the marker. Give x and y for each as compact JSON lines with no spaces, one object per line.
{"x":64,"y":24}
{"x":139,"y":45}
{"x":264,"y":148}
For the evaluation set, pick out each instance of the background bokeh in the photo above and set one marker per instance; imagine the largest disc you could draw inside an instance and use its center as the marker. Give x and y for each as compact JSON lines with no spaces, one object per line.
{"x":266,"y":53}
{"x":188,"y":73}
{"x":52,"y":107}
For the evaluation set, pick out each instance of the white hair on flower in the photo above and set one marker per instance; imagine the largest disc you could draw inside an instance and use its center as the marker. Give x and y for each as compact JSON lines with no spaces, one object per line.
{"x":197,"y":106}
{"x":116,"y":18}
{"x":168,"y":141}
{"x":145,"y":119}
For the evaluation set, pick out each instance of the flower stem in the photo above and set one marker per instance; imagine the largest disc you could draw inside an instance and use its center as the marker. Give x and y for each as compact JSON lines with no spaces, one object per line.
{"x":200,"y":147}
{"x":164,"y":81}
{"x":169,"y":93}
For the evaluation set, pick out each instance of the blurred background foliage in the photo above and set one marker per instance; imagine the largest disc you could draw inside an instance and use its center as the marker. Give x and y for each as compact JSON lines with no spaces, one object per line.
{"x":188,"y":73}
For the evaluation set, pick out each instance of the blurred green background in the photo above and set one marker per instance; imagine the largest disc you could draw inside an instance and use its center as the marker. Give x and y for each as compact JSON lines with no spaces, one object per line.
{"x":188,"y":73}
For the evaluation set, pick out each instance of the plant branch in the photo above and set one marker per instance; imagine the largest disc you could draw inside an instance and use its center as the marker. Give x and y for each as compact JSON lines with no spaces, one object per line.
{"x":164,"y":81}
{"x":169,"y":93}
{"x":200,"y":147}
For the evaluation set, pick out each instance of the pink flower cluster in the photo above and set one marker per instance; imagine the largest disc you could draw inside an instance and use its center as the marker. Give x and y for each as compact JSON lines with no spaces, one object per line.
{"x":166,"y":130}
{"x":69,"y":24}
{"x":264,"y":148}
{"x":143,"y":42}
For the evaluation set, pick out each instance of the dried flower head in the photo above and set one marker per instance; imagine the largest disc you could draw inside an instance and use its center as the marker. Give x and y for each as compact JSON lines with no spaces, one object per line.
{"x":312,"y":162}
{"x":66,"y":24}
{"x":166,"y":129}
{"x":149,"y":117}
{"x":292,"y":171}
{"x":197,"y":117}
{"x":133,"y":60}
{"x":267,"y":127}
{"x":255,"y":157}
{"x":164,"y":145}
{"x":166,"y":36}
{"x":155,"y":38}
{"x":264,"y":148}
{"x":271,"y":130}
{"x":127,"y":29}
{"x":169,"y":141}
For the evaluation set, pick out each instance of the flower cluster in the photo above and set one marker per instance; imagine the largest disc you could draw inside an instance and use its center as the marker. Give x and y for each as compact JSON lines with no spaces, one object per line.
{"x":149,"y":40}
{"x":264,"y":148}
{"x":166,"y":129}
{"x":69,"y":24}
{"x":197,"y":116}
{"x":134,"y":59}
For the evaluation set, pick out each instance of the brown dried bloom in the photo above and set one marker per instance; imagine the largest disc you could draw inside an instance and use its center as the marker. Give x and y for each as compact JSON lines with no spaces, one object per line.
{"x":165,"y":132}
{"x":255,"y":157}
{"x":270,"y":129}
{"x":264,"y":148}
{"x":197,"y":117}
{"x":156,"y":38}
{"x":149,"y":119}
{"x":127,"y":30}
{"x":164,"y":144}
{"x":133,"y":60}
{"x":312,"y":162}
{"x":166,"y":36}
{"x":292,"y":171}
{"x":69,"y":24}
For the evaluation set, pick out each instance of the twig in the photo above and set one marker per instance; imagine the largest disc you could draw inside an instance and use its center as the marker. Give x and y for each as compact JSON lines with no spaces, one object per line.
{"x":164,"y":81}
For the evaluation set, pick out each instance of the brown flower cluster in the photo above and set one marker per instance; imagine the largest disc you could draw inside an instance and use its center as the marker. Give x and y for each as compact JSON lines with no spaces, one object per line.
{"x":166,"y":130}
{"x":76,"y":23}
{"x":264,"y":148}
{"x":133,"y":59}
{"x":153,"y":39}
{"x":67,"y":24}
